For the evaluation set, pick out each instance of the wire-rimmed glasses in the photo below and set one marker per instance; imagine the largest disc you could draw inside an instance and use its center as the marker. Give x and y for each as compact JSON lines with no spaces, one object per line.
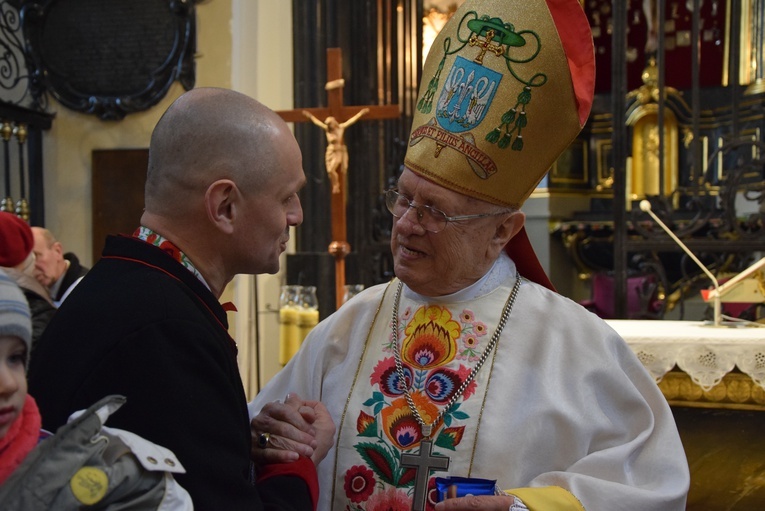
{"x":431,"y":219}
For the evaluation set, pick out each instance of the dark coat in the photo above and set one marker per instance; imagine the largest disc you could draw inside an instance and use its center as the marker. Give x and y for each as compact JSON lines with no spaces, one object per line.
{"x":40,"y":305}
{"x":42,"y":312}
{"x":141,"y":325}
{"x":74,"y":272}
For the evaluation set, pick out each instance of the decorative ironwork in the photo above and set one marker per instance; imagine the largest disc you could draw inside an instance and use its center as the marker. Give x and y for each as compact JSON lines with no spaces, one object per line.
{"x":743,"y":185}
{"x":16,"y":82}
{"x":731,"y":207}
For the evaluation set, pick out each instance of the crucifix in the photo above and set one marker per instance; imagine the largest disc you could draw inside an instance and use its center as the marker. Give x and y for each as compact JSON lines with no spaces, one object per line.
{"x":336,"y":117}
{"x":423,"y":462}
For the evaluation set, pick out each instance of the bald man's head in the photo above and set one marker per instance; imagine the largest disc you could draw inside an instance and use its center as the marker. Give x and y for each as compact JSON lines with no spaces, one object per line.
{"x":223,"y":183}
{"x":208,"y":134}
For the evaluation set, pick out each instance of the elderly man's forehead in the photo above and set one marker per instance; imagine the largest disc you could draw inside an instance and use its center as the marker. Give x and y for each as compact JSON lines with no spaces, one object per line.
{"x":42,"y":236}
{"x":411,"y":178}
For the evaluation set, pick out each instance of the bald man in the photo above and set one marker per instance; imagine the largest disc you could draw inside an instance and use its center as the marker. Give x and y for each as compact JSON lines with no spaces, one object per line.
{"x":59,"y":272}
{"x":221,"y":194}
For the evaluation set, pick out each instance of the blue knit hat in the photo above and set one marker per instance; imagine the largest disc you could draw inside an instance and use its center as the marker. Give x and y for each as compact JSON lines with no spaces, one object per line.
{"x":15,"y":318}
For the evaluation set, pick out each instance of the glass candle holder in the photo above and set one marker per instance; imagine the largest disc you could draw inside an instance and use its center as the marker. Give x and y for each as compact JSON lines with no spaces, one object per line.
{"x":308,"y":312}
{"x":352,"y":290}
{"x":289,"y":331}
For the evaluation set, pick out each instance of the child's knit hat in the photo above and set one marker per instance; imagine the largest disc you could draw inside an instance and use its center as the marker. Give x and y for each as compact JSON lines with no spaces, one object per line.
{"x":15,"y":318}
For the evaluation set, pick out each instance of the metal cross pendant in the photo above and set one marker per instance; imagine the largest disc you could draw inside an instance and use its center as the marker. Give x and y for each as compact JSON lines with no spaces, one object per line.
{"x":423,"y":463}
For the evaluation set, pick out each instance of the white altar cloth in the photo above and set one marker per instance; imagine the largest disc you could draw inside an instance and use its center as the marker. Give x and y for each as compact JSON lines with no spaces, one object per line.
{"x":705,"y":352}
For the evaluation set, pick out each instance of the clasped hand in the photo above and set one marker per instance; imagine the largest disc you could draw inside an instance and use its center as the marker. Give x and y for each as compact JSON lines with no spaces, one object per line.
{"x":295,"y":427}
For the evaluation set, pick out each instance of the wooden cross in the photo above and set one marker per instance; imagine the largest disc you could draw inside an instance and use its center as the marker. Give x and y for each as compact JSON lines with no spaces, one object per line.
{"x":339,"y":246}
{"x":423,"y":462}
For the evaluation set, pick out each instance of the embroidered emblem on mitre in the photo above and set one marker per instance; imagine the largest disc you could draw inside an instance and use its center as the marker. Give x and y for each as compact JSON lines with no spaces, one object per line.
{"x":497,"y":104}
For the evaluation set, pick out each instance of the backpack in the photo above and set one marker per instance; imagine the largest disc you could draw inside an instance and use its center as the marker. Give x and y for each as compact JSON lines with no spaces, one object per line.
{"x":87,"y":465}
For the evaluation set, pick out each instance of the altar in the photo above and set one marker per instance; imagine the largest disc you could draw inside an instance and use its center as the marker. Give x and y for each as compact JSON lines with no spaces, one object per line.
{"x":714,"y":380}
{"x":701,"y":365}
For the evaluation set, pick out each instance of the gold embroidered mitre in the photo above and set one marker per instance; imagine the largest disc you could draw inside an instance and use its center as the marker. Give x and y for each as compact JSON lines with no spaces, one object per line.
{"x":507,"y":86}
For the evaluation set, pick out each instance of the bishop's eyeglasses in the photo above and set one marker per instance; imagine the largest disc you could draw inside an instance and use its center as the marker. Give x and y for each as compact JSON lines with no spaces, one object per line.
{"x":431,"y":219}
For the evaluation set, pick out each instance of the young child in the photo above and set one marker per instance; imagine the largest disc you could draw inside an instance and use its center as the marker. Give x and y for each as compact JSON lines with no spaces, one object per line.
{"x":19,"y":417}
{"x":71,"y":471}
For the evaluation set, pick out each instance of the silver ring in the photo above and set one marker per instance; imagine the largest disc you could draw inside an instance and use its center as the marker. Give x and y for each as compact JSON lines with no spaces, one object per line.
{"x":263,"y":440}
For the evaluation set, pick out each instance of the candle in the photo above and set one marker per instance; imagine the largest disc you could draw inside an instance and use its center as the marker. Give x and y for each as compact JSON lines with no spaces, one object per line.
{"x":307,"y":319}
{"x":289,"y":333}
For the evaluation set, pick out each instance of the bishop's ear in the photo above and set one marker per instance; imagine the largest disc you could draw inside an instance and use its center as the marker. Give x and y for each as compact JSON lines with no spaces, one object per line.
{"x":509,"y":227}
{"x":221,"y":202}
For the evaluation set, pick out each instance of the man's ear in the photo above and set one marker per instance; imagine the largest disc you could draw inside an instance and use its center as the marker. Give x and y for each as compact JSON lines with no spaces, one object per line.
{"x":221,"y":203}
{"x":507,"y":229}
{"x":58,"y":248}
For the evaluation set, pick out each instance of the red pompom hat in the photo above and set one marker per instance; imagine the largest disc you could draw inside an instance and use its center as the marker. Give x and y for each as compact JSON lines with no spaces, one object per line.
{"x":16,"y":240}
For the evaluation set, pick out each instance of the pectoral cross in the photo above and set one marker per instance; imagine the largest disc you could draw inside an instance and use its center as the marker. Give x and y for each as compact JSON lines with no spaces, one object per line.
{"x":423,"y":463}
{"x":339,"y":246}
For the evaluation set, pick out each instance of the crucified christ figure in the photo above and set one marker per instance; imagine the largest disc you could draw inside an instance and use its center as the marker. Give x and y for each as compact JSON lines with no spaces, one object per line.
{"x":336,"y":156}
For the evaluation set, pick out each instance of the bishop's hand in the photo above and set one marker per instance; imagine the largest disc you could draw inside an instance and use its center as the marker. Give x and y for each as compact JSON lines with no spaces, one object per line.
{"x":283,"y":431}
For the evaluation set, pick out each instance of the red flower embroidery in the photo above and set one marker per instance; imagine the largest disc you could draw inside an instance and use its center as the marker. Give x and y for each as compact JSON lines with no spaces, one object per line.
{"x":170,"y":250}
{"x":432,"y":499}
{"x":464,"y":372}
{"x":388,"y":500}
{"x":359,"y":483}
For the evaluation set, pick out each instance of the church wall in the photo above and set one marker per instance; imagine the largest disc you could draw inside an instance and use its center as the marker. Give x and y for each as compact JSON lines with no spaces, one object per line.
{"x":73,"y":136}
{"x":261,"y":68}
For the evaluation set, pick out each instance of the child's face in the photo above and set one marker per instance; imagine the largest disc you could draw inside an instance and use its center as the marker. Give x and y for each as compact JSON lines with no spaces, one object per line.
{"x":13,"y":380}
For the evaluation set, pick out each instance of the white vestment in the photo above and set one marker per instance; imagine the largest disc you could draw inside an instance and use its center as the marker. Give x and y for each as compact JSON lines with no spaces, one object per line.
{"x":561,"y":401}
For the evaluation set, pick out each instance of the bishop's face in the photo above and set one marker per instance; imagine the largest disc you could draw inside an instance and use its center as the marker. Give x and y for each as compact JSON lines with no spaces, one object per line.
{"x":441,"y":263}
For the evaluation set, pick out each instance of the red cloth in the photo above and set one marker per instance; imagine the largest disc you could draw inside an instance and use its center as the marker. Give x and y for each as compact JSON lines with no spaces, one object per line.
{"x":229,"y":307}
{"x":21,"y":438}
{"x":576,"y":38}
{"x":522,"y":253}
{"x":16,"y":240}
{"x":302,"y":468}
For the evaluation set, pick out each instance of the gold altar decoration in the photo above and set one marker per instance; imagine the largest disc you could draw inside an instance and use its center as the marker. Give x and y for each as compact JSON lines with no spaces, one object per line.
{"x":648,"y":178}
{"x":735,"y":391}
{"x":752,"y":47}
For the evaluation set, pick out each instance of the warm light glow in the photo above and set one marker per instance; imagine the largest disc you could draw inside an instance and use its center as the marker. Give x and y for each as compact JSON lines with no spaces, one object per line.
{"x":437,"y":14}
